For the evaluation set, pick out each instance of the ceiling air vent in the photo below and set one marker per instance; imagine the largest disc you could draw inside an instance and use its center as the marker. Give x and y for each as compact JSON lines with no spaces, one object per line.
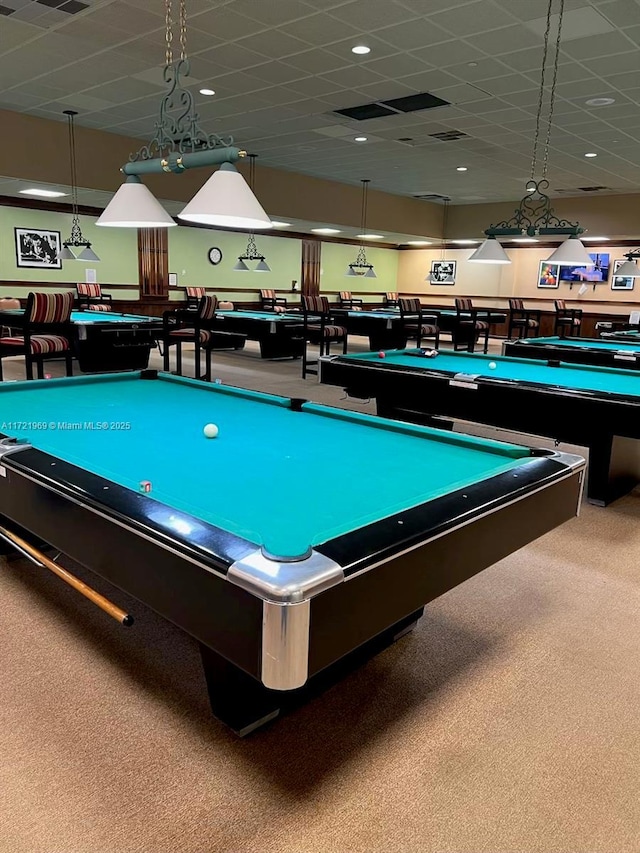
{"x":448,"y":135}
{"x":395,"y":106}
{"x":432,"y":197}
{"x":592,"y":189}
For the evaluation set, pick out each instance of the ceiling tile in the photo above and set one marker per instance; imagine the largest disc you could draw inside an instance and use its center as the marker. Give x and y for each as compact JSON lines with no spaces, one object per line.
{"x":320,"y":29}
{"x":473,"y":18}
{"x":413,"y":34}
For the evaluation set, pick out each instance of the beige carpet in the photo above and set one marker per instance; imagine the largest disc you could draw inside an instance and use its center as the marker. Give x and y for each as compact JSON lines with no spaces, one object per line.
{"x":508,"y":721}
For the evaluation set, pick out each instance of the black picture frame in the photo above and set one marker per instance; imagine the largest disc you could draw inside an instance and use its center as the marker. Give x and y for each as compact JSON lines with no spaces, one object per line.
{"x":37,"y":249}
{"x":443,"y":272}
{"x":621,"y":282}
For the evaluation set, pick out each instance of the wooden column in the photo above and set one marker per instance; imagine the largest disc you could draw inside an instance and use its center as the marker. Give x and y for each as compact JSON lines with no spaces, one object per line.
{"x":310,"y":274}
{"x":153,"y":263}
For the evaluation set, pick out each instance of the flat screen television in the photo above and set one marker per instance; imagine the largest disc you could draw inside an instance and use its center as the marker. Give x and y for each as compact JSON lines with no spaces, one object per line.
{"x":596,"y":273}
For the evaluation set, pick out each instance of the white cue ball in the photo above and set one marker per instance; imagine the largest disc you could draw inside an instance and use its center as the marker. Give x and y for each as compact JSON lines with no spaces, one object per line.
{"x":210,"y":430}
{"x":492,"y":365}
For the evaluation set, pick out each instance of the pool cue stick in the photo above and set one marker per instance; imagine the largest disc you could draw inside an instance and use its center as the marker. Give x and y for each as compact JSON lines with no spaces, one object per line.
{"x":42,"y":560}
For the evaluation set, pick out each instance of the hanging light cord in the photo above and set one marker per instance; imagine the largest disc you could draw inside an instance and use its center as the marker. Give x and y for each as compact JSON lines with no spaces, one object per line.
{"x":543,"y":73}
{"x":76,"y":233}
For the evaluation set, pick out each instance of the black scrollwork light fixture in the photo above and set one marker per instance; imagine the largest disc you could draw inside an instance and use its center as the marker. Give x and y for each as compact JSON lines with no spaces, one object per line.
{"x":180,"y":143}
{"x":76,"y":240}
{"x":360,"y":265}
{"x":535,"y":216}
{"x":251,"y":252}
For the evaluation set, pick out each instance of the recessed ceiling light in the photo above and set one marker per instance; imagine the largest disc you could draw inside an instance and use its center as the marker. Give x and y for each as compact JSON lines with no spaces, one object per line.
{"x":280,"y":224}
{"x":418,"y":243}
{"x":360,"y":138}
{"x":361,"y":49}
{"x":461,"y":169}
{"x":325,"y":230}
{"x":595,"y":239}
{"x":370,"y":236}
{"x":465,"y":242}
{"x":207,"y":91}
{"x":43,"y":193}
{"x":472,"y":64}
{"x":524,"y":240}
{"x":590,"y":154}
{"x":600,"y":102}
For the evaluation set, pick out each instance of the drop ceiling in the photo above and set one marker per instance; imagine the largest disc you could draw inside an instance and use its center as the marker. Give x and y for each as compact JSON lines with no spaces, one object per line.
{"x":282,"y":69}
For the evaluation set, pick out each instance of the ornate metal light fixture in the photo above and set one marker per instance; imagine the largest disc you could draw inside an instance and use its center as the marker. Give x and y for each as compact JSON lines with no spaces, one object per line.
{"x":180,"y":143}
{"x":443,"y":277}
{"x":76,"y":240}
{"x":252,"y":253}
{"x":535,"y":215}
{"x":360,"y":265}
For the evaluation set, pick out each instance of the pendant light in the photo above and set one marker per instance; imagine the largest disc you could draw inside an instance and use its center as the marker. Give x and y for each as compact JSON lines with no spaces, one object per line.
{"x":76,"y":240}
{"x":360,"y":266}
{"x":251,"y":252}
{"x":431,"y":277}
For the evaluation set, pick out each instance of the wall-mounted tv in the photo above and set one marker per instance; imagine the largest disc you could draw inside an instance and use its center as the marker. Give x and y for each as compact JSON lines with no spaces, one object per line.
{"x":596,"y":273}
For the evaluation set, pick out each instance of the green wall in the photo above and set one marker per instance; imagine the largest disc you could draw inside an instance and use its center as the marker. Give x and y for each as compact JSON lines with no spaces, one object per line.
{"x":117,"y":249}
{"x":188,"y":248}
{"x":336,"y":258}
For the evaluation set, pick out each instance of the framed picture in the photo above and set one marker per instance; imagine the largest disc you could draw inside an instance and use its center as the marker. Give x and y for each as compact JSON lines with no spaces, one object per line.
{"x":599,"y":272}
{"x":443,"y":272}
{"x":38,"y":249}
{"x":173,"y":279}
{"x":548,"y":275}
{"x":620,"y":282}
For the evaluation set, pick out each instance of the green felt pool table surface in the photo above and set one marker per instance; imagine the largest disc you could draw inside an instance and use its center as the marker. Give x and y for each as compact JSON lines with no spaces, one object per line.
{"x":578,"y":376}
{"x":589,"y":343}
{"x":93,"y":317}
{"x":272,"y":316}
{"x":254,"y":478}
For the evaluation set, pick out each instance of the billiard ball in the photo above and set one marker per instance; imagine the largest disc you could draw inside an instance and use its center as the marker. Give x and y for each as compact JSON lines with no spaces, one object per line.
{"x":381,"y":354}
{"x":145,"y":486}
{"x":210,"y":430}
{"x":492,"y":365}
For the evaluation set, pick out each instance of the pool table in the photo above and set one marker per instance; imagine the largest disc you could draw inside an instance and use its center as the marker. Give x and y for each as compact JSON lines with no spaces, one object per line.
{"x":447,"y":320}
{"x":279,"y":334}
{"x":105,"y":340}
{"x":606,"y":353}
{"x":622,"y":335}
{"x":595,"y":407}
{"x":383,"y":328}
{"x":284,"y":570}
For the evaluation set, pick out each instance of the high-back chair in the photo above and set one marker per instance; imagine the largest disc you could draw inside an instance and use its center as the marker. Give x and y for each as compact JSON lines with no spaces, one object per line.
{"x":522,"y":319}
{"x":414,"y":326}
{"x":568,"y":320}
{"x":92,"y":297}
{"x":348,"y":301}
{"x":194,"y":295}
{"x":470,"y":325}
{"x":47,"y":333}
{"x":319,"y":330}
{"x":391,"y":300}
{"x":271,"y":302}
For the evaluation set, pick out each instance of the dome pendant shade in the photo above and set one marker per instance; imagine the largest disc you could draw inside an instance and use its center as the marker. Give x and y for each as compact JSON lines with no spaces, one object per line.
{"x":490,"y":252}
{"x":133,"y":206}
{"x":226,"y":200}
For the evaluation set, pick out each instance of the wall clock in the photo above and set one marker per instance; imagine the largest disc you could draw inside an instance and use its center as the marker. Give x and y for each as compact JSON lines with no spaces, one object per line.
{"x":215,"y":255}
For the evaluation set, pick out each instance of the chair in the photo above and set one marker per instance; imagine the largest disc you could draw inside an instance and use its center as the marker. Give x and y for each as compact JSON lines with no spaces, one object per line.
{"x":318,"y":329}
{"x":194,"y":295}
{"x":391,"y":300}
{"x":568,"y":320}
{"x":470,"y":325}
{"x":413,"y":325}
{"x":185,"y":326}
{"x":521,"y":318}
{"x":8,"y":303}
{"x":91,"y":297}
{"x":271,"y":302}
{"x":46,"y":333}
{"x":348,"y":301}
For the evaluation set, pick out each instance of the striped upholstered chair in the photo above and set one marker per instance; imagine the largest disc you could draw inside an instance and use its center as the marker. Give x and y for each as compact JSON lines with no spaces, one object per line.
{"x":471,"y":324}
{"x":190,"y":327}
{"x":414,"y":325}
{"x":194,"y":295}
{"x":46,"y":334}
{"x":391,"y":300}
{"x":319,"y":330}
{"x":521,"y":319}
{"x":271,"y":302}
{"x":568,"y":320}
{"x":91,"y":297}
{"x":348,"y":301}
